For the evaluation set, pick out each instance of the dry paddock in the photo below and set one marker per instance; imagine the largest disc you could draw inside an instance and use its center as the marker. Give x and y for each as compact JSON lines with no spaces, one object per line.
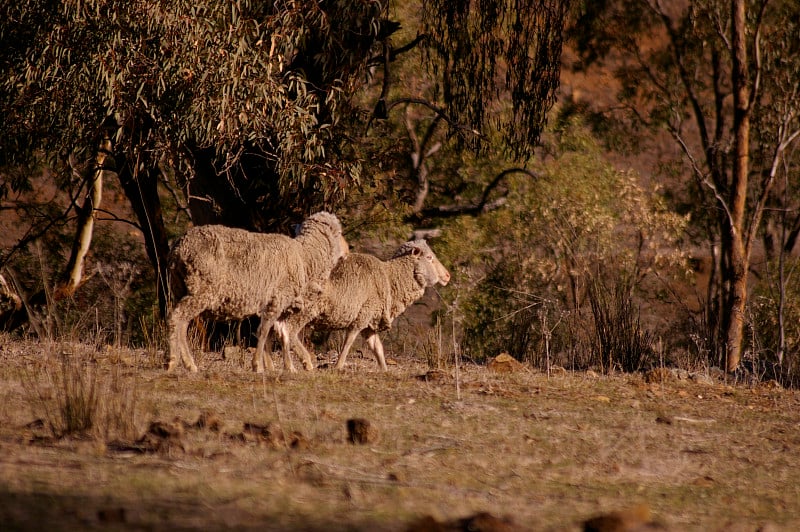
{"x":228,"y":449}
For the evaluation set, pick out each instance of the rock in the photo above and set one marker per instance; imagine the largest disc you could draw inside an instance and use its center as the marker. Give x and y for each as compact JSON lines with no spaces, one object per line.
{"x":702,"y":378}
{"x":665,"y":419}
{"x":270,"y":434}
{"x":208,"y":420}
{"x":505,"y":363}
{"x":162,"y":436}
{"x":480,"y":522}
{"x":434,"y":375}
{"x":111,"y":515}
{"x":298,"y":441}
{"x":635,"y":519}
{"x":659,"y":376}
{"x":361,"y":431}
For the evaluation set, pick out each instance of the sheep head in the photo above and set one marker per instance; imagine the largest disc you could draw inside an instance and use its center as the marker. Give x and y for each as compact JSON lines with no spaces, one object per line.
{"x":428,"y":271}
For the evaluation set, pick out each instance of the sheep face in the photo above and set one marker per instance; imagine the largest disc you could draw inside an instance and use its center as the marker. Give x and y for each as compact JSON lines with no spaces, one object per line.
{"x":429,"y":271}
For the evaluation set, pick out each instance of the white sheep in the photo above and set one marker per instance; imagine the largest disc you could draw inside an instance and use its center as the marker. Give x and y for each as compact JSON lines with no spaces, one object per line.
{"x":230,"y":274}
{"x":364,"y":295}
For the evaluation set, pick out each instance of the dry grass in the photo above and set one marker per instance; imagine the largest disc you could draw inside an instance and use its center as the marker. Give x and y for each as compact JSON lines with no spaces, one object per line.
{"x":550,"y":453}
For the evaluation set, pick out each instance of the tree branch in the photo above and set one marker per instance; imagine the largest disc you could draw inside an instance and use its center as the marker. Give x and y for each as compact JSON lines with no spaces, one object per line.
{"x":394,"y":52}
{"x":436,"y":109}
{"x":483,"y":206}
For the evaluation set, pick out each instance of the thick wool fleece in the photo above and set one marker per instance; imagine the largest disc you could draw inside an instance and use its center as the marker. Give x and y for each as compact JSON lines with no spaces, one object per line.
{"x":364,"y":295}
{"x":229,"y":274}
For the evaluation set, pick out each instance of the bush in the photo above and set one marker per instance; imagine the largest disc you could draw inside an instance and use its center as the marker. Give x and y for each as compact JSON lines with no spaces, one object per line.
{"x":767,"y":357}
{"x":73,"y":396}
{"x":619,"y":341}
{"x":534,"y":269}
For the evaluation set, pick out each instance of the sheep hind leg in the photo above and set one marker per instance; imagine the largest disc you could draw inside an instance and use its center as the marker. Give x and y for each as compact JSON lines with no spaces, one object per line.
{"x":260,"y":359}
{"x":178,"y":325}
{"x":285,"y":336}
{"x":348,"y":343}
{"x":308,"y":362}
{"x":374,"y":343}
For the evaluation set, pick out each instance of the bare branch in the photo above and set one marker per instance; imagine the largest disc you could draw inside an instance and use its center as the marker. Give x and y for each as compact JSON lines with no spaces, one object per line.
{"x":394,"y":52}
{"x":496,"y":181}
{"x":436,"y":109}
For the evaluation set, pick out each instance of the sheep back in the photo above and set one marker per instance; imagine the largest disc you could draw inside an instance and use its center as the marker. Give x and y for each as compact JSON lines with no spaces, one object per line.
{"x":234,"y":272}
{"x":323,"y":245}
{"x":356,"y":295}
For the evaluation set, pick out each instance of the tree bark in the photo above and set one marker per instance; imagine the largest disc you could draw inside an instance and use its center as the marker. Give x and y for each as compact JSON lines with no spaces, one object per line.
{"x":142,"y":193}
{"x":73,"y":273}
{"x":736,"y":270}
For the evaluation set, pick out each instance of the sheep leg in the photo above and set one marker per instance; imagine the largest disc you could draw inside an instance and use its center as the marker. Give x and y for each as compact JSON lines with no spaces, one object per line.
{"x":348,"y":343}
{"x":308,"y":362}
{"x":178,"y":327}
{"x":285,"y":336}
{"x":374,"y":343}
{"x":260,"y":359}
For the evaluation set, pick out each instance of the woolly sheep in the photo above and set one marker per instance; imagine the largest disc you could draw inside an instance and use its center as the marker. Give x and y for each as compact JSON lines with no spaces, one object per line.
{"x":231,"y":274}
{"x":364,"y":295}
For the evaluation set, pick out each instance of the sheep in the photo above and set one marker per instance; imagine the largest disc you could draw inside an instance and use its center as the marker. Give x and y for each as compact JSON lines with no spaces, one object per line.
{"x":364,"y":295}
{"x":226,"y":273}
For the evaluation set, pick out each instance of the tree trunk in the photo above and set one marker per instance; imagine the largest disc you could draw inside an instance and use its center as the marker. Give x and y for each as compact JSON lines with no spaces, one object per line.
{"x":73,"y":273}
{"x":142,"y":193}
{"x":736,"y":283}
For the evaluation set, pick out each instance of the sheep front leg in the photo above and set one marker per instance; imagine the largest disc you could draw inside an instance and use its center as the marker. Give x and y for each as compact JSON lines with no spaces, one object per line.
{"x":374,"y":343}
{"x":260,"y":359}
{"x":178,"y":325}
{"x":348,"y":343}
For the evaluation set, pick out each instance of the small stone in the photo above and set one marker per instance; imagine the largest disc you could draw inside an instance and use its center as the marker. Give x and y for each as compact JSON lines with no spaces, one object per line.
{"x":208,"y":420}
{"x":361,"y":431}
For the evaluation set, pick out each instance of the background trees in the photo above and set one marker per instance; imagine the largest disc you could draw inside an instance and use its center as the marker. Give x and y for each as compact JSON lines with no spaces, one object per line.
{"x":249,"y":108}
{"x":407,"y":116}
{"x":707,"y":72}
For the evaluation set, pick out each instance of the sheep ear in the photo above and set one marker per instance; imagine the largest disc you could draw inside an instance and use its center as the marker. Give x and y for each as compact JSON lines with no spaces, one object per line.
{"x":416,"y":252}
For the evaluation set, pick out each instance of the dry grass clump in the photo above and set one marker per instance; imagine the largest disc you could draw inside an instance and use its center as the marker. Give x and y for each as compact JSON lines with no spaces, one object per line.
{"x":76,"y":396}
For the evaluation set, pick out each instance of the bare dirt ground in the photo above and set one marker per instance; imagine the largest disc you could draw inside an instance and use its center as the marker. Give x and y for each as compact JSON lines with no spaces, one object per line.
{"x":228,"y":449}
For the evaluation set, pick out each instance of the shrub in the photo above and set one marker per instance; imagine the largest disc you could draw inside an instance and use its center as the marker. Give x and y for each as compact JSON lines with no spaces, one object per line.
{"x":528,"y":270}
{"x":619,"y":341}
{"x":73,"y":395}
{"x":767,"y":327}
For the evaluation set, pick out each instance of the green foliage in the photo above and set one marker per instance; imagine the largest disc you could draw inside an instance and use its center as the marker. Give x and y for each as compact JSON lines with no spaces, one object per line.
{"x":273,"y":80}
{"x":471,"y":45}
{"x":679,"y":66}
{"x":172,"y":77}
{"x":532,"y":262}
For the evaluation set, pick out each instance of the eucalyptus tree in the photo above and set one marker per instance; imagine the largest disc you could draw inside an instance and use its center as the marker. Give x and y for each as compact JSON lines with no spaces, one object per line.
{"x":247,"y":107}
{"x":722,"y":77}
